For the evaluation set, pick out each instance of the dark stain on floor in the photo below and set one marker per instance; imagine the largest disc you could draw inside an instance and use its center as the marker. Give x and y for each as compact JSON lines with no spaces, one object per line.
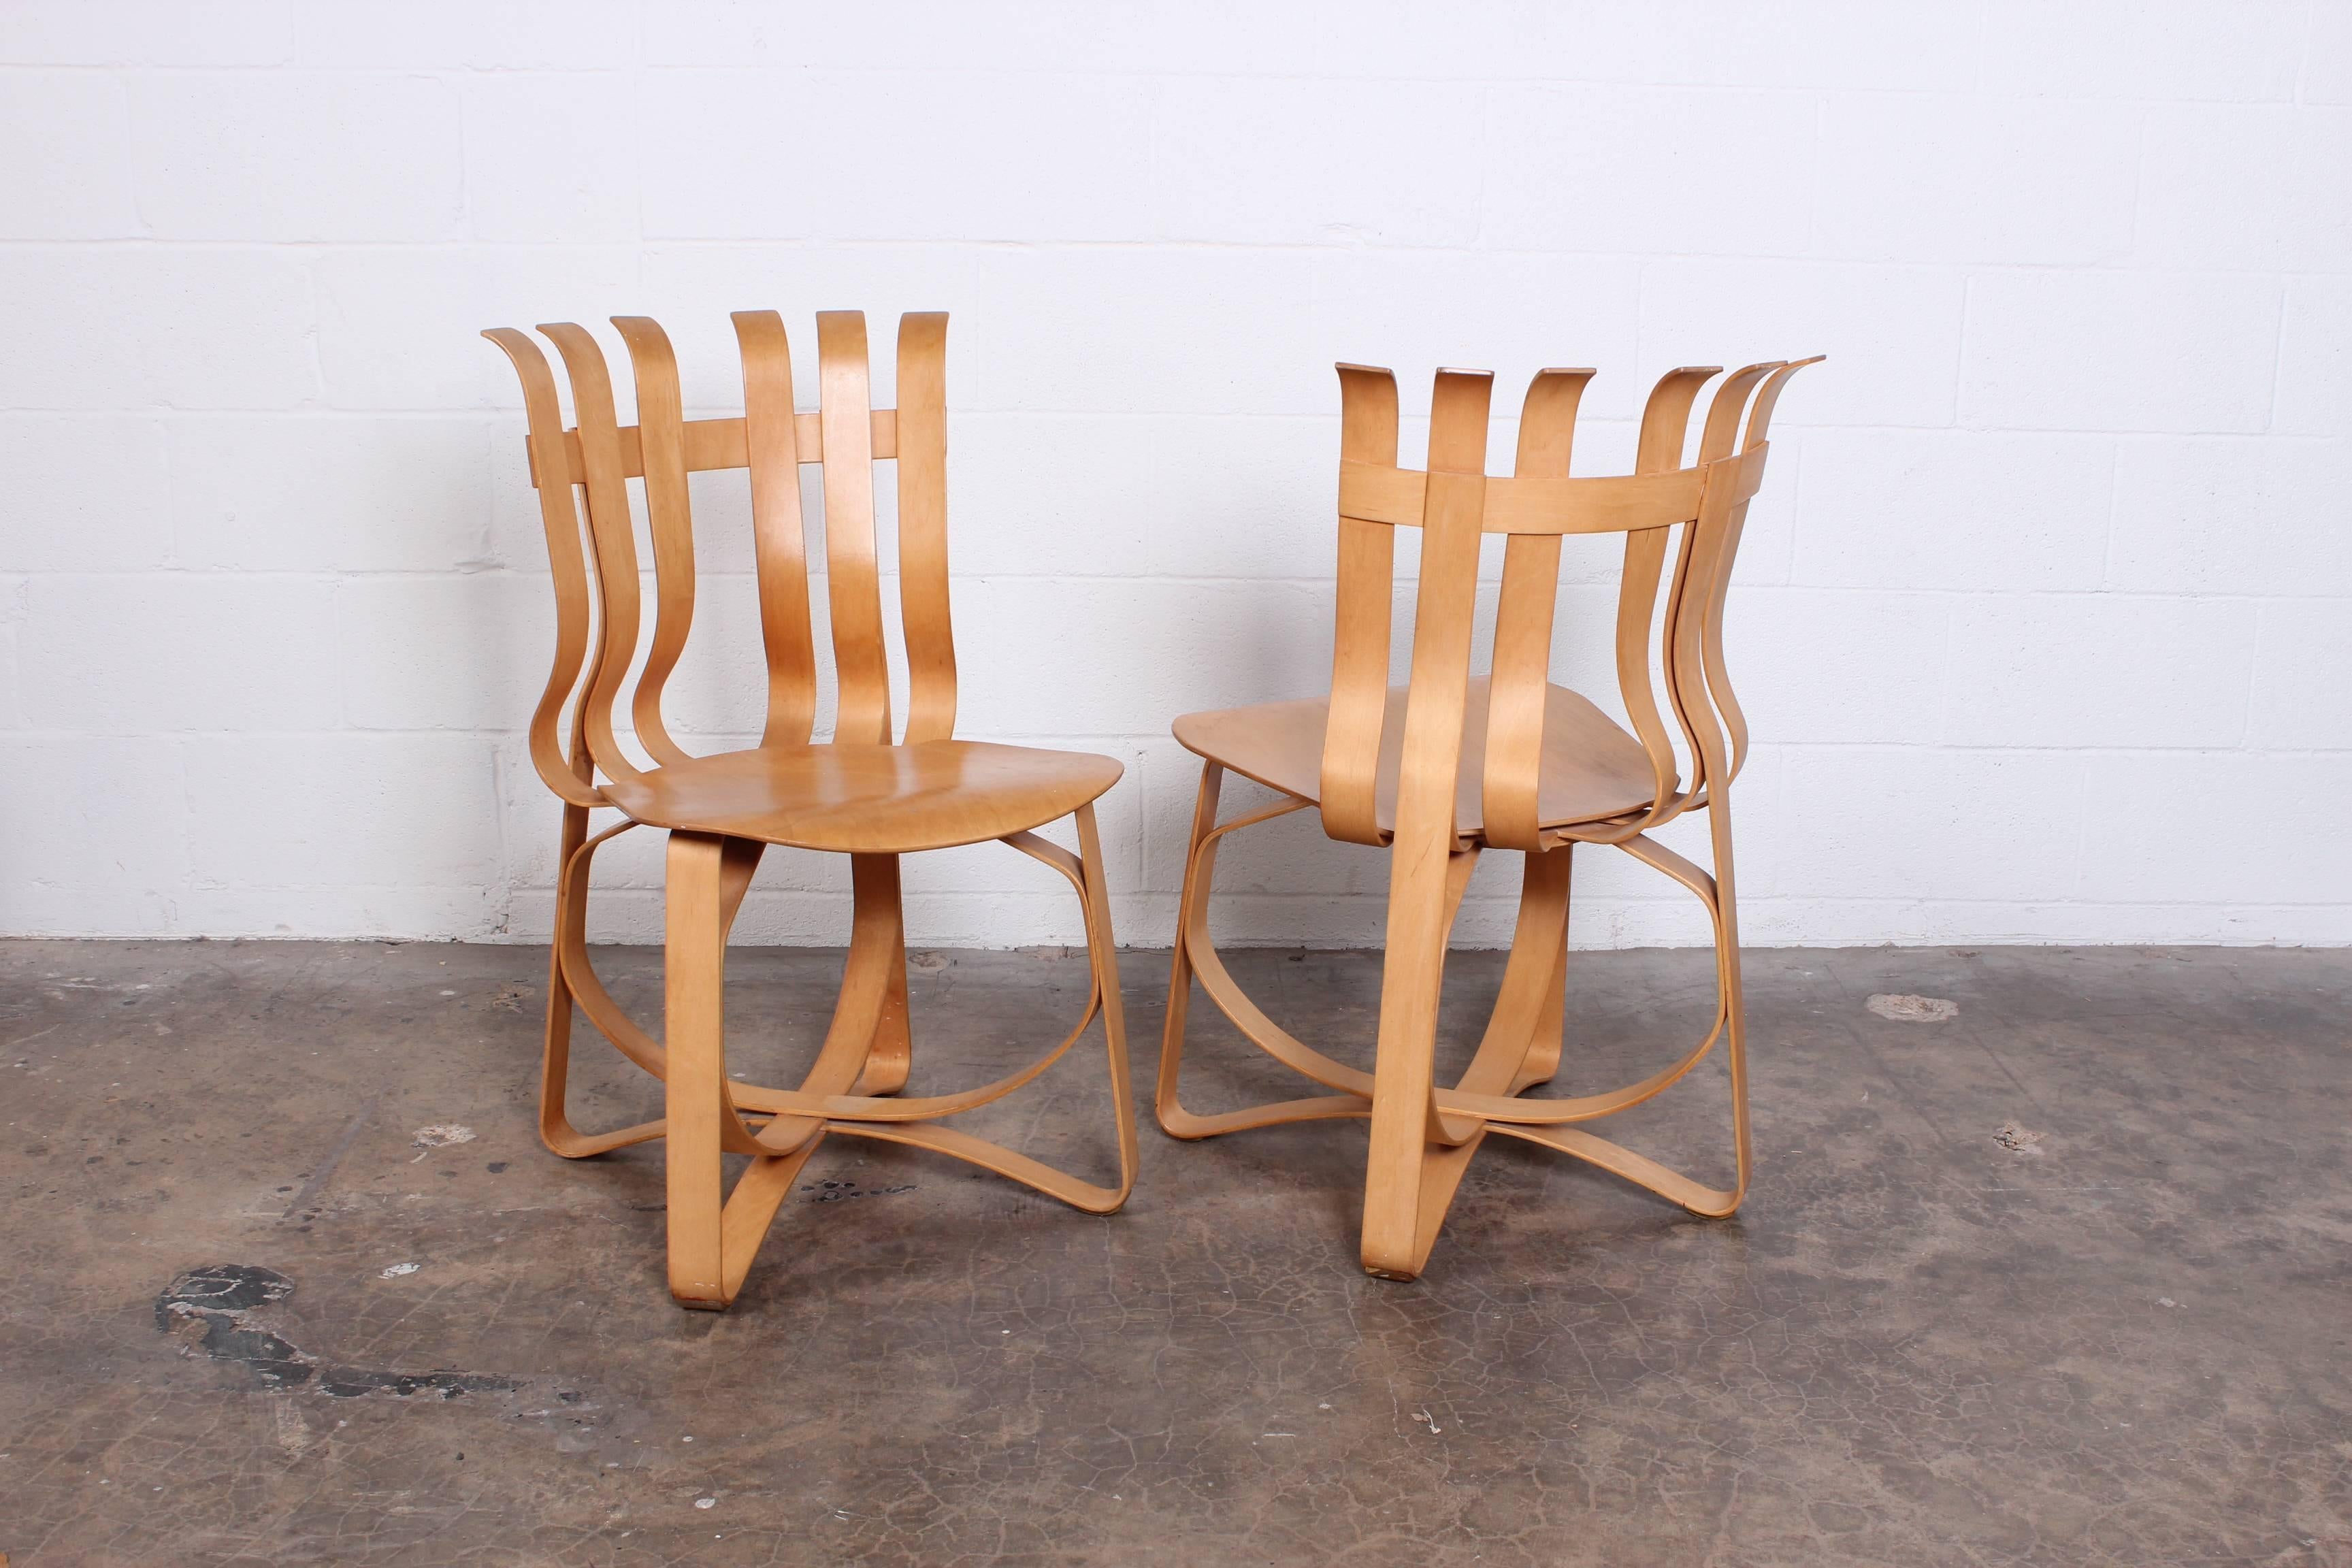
{"x":208,"y":1311}
{"x":2065,"y":1278}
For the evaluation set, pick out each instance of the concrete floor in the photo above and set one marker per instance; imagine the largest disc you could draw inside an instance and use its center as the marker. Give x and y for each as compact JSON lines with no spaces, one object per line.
{"x":249,"y":1318}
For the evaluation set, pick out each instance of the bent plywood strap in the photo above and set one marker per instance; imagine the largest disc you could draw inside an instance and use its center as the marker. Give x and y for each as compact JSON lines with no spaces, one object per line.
{"x":1454,"y":764}
{"x":869,"y":790}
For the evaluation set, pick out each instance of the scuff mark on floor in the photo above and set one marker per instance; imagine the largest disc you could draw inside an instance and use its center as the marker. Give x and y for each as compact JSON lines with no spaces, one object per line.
{"x":208,"y":1312}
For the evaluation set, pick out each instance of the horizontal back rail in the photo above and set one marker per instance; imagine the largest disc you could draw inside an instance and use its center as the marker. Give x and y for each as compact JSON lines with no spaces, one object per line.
{"x":719,"y":444}
{"x":1617,"y":503}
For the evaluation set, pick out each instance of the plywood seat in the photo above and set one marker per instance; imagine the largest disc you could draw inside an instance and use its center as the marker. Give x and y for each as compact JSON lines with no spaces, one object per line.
{"x":1591,"y":769}
{"x":852,"y":799}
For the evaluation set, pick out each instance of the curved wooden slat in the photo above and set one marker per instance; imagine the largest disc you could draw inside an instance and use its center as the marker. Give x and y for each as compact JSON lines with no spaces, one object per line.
{"x":1275,"y":1113}
{"x":1697,"y":582}
{"x":750,"y":1209}
{"x":780,"y":539}
{"x":693,"y":982}
{"x":1665,"y":420}
{"x":821,"y":1103}
{"x":1412,"y":970}
{"x":669,"y":521}
{"x":1718,"y":673}
{"x":925,"y":623}
{"x":793,"y":1105}
{"x":1520,"y":1009}
{"x":555,"y":1127}
{"x":1695,"y":567}
{"x":1167,"y":1101}
{"x":559,"y":515}
{"x":1694,"y":632}
{"x":878,"y":955}
{"x":1359,"y":656}
{"x":1760,"y":417}
{"x":615,"y":538}
{"x":1087,"y":1197}
{"x":1723,"y":411}
{"x":852,"y":578}
{"x":1523,"y":1004}
{"x":1665,"y":417}
{"x":580,"y":974}
{"x":1550,"y":1035}
{"x":1501,"y":1112}
{"x":1519,"y":688}
{"x":1708,"y":1203}
{"x":1231,"y":999}
{"x":1637,"y":599}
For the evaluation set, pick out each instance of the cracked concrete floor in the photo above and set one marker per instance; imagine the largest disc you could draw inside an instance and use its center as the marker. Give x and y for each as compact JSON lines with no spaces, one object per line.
{"x":251,"y":1315}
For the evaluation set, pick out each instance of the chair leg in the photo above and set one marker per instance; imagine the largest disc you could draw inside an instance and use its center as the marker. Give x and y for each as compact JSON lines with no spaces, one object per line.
{"x":918,"y":1123}
{"x":555,"y":1128}
{"x":1726,"y":910}
{"x":1174,"y":1120}
{"x":694,"y":972}
{"x":889,"y":1058}
{"x":1102,"y":953}
{"x":1398,"y":1191}
{"x":1543,"y":1053}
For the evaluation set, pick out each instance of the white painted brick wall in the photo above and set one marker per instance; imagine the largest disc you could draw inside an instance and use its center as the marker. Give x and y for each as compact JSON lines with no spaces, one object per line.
{"x":2045,"y":621}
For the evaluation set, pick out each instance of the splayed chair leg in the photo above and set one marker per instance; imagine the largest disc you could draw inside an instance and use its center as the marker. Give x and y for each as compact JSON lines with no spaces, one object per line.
{"x":1417,"y":1155}
{"x":555,"y":1128}
{"x":1726,"y":910}
{"x":1173,"y":1117}
{"x":890,"y":1058}
{"x":1102,"y":953}
{"x":694,"y":974}
{"x":1547,"y":877}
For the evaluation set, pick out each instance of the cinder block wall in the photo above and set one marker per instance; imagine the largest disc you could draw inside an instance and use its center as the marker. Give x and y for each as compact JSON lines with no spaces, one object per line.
{"x":2044,"y":622}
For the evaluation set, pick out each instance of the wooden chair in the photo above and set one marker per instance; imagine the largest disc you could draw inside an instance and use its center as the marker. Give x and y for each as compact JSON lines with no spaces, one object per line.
{"x":1450,"y":766}
{"x":857,"y":794}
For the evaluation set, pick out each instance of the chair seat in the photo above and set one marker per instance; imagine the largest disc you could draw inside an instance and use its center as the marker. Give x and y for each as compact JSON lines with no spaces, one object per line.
{"x":1592,"y":769}
{"x":868,"y":799}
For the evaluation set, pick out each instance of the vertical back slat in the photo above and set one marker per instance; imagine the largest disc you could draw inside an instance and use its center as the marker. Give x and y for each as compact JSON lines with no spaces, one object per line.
{"x":1695,"y":564}
{"x":564,"y":771}
{"x":1421,"y":864}
{"x":1723,"y":411}
{"x":669,"y":521}
{"x":1718,"y":673}
{"x":1709,"y":563}
{"x":1665,"y":421}
{"x":1523,"y":624}
{"x":1444,"y":607}
{"x":1367,"y":592}
{"x":612,"y":535}
{"x":923,"y":526}
{"x":1760,"y":417}
{"x":844,"y":412}
{"x":780,"y":540}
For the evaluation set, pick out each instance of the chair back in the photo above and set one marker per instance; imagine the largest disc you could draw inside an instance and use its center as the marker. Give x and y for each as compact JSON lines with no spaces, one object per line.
{"x":1455,"y":505}
{"x":593,"y":460}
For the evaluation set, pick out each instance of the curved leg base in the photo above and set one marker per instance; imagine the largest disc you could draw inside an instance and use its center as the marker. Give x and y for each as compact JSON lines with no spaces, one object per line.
{"x":715,"y":1235}
{"x":1521,"y":1050}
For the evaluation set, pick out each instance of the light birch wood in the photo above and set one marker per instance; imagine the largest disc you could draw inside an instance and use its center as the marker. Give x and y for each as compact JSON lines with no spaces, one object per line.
{"x":1449,"y":764}
{"x":864,"y":791}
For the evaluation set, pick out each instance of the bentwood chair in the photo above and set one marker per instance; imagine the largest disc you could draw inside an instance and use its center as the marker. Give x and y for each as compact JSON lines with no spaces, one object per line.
{"x":858,"y":792}
{"x":1450,"y":766}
